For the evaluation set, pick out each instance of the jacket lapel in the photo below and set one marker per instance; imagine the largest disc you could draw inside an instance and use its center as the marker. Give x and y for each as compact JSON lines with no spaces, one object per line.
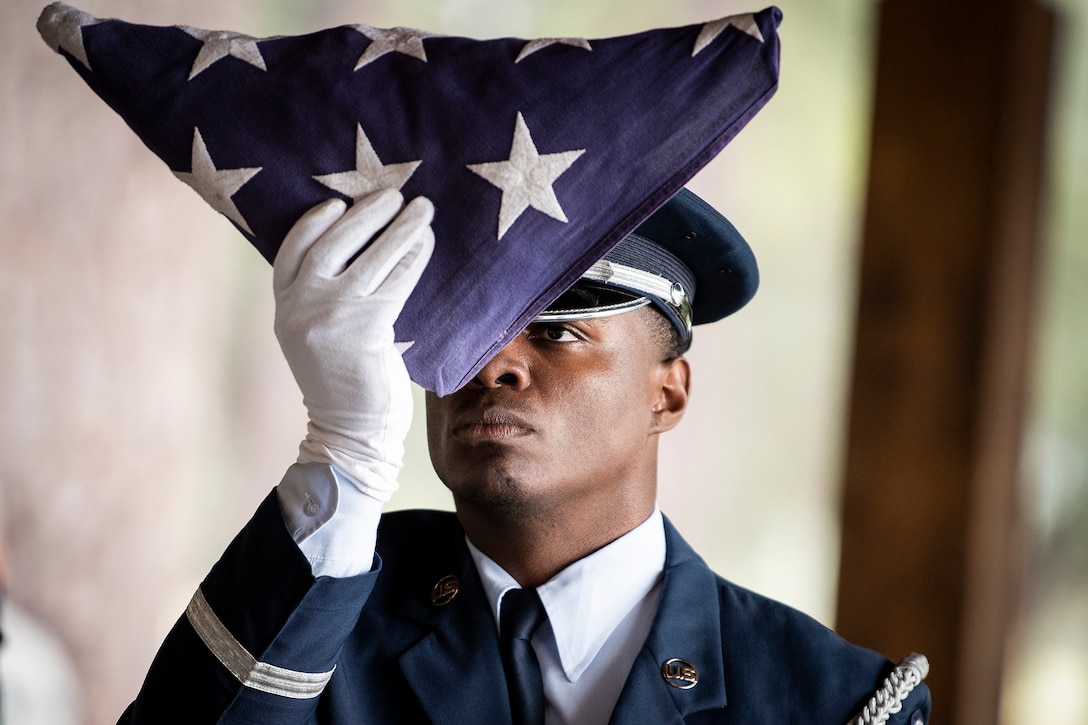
{"x":679,"y":670}
{"x":456,"y":670}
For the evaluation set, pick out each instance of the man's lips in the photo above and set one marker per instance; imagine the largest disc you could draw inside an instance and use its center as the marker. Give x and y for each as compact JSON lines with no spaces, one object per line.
{"x":490,"y":426}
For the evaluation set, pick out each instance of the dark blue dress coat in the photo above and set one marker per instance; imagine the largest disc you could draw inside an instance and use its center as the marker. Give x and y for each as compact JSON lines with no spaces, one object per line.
{"x":399,"y":657}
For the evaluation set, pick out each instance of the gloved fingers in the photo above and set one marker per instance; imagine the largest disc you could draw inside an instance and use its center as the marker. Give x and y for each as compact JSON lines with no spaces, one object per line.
{"x":408,"y":231}
{"x":333,"y":251}
{"x":307,"y":230}
{"x":404,"y":276}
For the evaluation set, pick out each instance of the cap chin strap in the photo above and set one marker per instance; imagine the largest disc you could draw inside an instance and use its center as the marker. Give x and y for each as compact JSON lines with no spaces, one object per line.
{"x":628,"y":278}
{"x":648,"y":283}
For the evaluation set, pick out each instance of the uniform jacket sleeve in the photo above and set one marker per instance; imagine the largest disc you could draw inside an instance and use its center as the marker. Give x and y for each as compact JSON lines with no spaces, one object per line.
{"x":259,"y":640}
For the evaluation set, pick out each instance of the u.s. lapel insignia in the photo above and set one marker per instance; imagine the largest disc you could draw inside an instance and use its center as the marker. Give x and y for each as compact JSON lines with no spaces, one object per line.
{"x":679,"y":673}
{"x":445,"y":590}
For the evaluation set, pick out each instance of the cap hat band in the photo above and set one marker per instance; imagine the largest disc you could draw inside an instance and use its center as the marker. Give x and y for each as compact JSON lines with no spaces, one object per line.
{"x":643,"y":269}
{"x":644,"y":288}
{"x":666,"y":291}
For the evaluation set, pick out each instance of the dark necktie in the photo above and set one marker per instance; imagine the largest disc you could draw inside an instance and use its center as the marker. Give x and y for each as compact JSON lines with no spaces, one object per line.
{"x":520,"y":615}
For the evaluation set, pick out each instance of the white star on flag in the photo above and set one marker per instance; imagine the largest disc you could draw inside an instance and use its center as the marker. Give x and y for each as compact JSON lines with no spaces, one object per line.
{"x":216,"y":186}
{"x":62,"y":28}
{"x":394,"y":40}
{"x":526,"y":178}
{"x":713,"y":29}
{"x":218,"y":44}
{"x":540,"y":43}
{"x":370,"y":173}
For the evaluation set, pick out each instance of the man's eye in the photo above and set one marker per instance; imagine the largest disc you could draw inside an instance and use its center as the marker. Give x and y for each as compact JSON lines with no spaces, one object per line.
{"x":555,"y":333}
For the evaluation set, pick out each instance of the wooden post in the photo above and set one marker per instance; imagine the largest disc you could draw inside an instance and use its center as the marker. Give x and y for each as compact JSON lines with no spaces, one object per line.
{"x":931,"y":546}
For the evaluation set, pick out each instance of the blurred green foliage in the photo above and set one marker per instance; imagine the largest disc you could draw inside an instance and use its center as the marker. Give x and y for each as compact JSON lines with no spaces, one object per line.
{"x":1058,"y":454}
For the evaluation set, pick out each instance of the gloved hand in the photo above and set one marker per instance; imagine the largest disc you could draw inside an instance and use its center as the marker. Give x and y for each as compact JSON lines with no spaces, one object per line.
{"x":334,"y":323}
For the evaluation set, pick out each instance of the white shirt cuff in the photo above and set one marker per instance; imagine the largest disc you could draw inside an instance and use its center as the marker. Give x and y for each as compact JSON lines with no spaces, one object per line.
{"x":333,"y":523}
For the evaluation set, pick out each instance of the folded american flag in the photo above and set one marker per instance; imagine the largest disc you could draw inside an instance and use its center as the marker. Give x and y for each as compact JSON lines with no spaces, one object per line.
{"x":539,"y":155}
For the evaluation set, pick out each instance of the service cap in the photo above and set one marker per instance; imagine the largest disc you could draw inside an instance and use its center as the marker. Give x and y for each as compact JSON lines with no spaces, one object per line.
{"x":686,"y":259}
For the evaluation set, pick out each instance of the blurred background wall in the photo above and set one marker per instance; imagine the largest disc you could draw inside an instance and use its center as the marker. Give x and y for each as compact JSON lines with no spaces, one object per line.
{"x":146,"y":408}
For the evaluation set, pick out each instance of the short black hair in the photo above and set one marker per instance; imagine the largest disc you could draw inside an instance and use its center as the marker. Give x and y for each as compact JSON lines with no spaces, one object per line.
{"x":664,"y":334}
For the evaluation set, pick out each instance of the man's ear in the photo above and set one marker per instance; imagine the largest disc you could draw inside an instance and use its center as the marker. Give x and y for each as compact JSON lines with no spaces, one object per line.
{"x":674,"y":386}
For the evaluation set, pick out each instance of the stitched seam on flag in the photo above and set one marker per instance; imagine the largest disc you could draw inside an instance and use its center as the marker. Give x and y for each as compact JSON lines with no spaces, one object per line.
{"x":255,"y":675}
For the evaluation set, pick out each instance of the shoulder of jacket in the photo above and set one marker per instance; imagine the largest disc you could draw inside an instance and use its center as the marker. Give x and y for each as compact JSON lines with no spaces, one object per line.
{"x":773,"y":616}
{"x":770,"y":639}
{"x":416,"y":525}
{"x":418,"y":538}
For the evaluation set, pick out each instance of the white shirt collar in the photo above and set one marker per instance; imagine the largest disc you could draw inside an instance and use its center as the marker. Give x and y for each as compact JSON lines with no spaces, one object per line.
{"x":590,"y":597}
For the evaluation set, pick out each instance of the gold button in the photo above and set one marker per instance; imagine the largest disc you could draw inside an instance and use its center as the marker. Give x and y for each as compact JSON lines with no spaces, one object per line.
{"x":445,"y":590}
{"x":679,"y":673}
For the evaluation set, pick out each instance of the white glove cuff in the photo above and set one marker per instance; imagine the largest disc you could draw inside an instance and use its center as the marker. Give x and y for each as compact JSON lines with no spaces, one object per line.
{"x":376,"y":478}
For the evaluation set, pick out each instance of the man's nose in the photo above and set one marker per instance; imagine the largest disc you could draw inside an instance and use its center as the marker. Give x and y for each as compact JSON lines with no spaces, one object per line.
{"x":508,"y":369}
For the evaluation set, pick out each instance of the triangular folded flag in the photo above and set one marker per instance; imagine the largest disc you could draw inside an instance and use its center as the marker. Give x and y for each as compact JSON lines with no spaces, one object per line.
{"x":539,"y":155}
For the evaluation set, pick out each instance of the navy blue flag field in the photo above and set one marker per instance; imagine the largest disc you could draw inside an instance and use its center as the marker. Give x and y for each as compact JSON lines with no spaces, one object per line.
{"x":539,"y":155}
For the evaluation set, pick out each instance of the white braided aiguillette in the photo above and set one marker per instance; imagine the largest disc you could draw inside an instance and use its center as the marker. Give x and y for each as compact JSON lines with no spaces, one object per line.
{"x":888,"y":700}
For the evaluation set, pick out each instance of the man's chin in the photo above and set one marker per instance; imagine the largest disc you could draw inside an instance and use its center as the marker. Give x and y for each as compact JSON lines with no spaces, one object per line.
{"x":500,"y":496}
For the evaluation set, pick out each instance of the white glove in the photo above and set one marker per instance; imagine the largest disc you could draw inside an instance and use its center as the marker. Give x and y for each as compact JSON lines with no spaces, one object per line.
{"x":334,"y":323}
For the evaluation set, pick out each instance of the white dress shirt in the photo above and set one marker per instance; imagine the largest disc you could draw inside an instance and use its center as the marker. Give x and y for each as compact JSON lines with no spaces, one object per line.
{"x":600,"y":609}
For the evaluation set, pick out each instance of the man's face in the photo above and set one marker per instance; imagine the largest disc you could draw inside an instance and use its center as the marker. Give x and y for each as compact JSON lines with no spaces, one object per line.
{"x":566,"y":414}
